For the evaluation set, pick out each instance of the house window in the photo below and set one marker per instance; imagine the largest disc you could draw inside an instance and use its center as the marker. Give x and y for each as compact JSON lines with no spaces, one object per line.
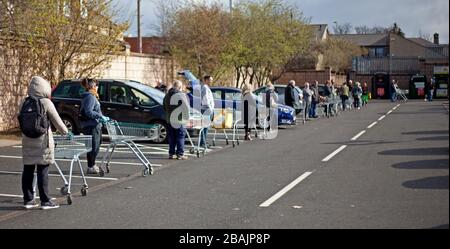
{"x":377,"y":52}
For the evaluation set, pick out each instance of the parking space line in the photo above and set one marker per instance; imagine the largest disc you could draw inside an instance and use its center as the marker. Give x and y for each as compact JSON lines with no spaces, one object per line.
{"x":84,"y":161}
{"x":358,"y":135}
{"x":20,"y":196}
{"x":334,"y":153}
{"x":283,"y":191}
{"x":372,"y":125}
{"x":56,"y":175}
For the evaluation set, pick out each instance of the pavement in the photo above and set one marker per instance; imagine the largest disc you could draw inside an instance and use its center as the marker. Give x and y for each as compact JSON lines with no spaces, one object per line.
{"x":384,"y":166}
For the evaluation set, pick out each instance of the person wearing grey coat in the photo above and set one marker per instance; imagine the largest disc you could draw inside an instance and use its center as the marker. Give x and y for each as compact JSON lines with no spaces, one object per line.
{"x":40,"y":151}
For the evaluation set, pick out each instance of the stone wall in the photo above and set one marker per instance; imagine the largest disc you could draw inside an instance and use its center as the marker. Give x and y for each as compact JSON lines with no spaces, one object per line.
{"x":13,"y":83}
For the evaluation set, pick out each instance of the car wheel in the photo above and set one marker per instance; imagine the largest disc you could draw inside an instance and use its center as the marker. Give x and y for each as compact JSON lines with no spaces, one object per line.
{"x":70,"y":125}
{"x":162,"y":131}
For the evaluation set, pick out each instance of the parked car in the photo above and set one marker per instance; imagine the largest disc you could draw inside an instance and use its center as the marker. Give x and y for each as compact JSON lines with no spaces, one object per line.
{"x":280,"y":90}
{"x":121,"y":100}
{"x":230,"y":96}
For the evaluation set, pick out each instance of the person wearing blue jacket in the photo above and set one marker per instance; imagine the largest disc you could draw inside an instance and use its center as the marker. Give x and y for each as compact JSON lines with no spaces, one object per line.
{"x":92,"y":120}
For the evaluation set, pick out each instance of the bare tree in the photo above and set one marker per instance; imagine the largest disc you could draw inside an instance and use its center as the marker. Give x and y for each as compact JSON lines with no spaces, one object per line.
{"x":342,"y":29}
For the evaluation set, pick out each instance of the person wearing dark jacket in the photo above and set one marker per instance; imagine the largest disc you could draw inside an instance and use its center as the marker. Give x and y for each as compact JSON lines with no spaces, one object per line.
{"x":289,"y":94}
{"x":176,"y":107}
{"x":92,"y":120}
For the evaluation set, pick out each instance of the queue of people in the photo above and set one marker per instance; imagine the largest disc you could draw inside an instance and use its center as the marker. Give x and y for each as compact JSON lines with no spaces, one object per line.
{"x":38,"y":145}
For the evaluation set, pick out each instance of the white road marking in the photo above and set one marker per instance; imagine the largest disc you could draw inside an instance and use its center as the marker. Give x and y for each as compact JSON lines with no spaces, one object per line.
{"x":372,"y":125}
{"x":389,"y":112}
{"x":20,"y":196}
{"x":382,"y":117}
{"x":285,"y":190}
{"x":326,"y":159}
{"x":56,"y":175}
{"x":358,"y":135}
{"x":84,"y":161}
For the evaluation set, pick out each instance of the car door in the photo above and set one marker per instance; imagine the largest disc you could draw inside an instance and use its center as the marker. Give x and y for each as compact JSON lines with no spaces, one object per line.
{"x":118,"y":105}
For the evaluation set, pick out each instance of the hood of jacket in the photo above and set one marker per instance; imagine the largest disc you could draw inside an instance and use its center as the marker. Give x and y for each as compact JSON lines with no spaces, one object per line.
{"x":39,"y":88}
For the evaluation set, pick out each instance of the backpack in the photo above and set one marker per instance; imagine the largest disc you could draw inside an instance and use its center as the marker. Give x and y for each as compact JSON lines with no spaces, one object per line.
{"x":32,"y":118}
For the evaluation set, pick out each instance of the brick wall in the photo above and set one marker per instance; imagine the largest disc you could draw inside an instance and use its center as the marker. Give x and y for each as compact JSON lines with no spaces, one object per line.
{"x":302,"y":76}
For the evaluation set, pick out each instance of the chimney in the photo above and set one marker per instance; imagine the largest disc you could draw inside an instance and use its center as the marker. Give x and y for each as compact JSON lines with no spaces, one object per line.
{"x":436,"y":38}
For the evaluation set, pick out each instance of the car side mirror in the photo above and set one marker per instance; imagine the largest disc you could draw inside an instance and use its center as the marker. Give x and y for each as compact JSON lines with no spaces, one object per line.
{"x":134,"y":102}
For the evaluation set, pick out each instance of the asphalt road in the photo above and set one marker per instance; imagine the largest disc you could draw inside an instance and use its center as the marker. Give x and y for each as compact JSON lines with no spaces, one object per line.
{"x":328,"y":173}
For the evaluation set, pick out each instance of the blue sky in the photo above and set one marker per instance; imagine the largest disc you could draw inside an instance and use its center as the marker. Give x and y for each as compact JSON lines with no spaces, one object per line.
{"x":413,"y":16}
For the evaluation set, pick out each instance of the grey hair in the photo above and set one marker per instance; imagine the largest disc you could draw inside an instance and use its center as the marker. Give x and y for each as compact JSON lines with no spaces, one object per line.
{"x":177,"y":84}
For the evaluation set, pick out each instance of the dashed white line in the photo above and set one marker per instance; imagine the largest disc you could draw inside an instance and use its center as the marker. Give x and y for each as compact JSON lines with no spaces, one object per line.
{"x":382,"y":117}
{"x":389,"y":112}
{"x":326,"y":159}
{"x":372,"y":125}
{"x":285,"y":190}
{"x":358,"y":135}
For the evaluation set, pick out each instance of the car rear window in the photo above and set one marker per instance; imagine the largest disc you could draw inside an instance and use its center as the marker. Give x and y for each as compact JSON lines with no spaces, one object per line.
{"x":68,"y":90}
{"x":73,"y":90}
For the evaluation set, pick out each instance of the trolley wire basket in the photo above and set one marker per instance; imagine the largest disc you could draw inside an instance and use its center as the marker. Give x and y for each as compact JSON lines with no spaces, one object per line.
{"x":126,"y":134}
{"x":72,"y":148}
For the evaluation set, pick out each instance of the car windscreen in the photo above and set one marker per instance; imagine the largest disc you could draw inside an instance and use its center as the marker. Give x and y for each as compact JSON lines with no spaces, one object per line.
{"x":152,"y":92}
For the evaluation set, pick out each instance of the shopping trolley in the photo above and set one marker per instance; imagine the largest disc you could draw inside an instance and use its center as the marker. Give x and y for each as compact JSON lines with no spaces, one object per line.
{"x":226,"y":120}
{"x":196,"y":123}
{"x":127,"y":134}
{"x":72,"y":148}
{"x":400,"y":93}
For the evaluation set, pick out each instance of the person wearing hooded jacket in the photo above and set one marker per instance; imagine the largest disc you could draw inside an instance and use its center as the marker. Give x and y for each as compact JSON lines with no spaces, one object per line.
{"x":40,"y":152}
{"x":92,"y":120}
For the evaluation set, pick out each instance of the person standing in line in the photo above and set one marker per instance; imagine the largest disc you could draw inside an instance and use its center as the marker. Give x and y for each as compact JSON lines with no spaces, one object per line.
{"x":207,"y":106}
{"x":314,"y":100}
{"x":393,"y":91}
{"x":249,"y":111}
{"x":365,"y":94}
{"x":307,"y":97}
{"x":39,"y":150}
{"x":161,"y":86}
{"x":176,"y":129}
{"x":289,"y":94}
{"x":92,"y":120}
{"x":344,"y":96}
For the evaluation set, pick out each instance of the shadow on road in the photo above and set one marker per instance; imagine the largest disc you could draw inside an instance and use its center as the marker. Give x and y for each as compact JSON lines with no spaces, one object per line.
{"x":437,"y":138}
{"x":423,"y":164}
{"x":438,"y":151}
{"x":437,"y":132}
{"x":361,"y":142}
{"x":435,"y":182}
{"x":445,"y":226}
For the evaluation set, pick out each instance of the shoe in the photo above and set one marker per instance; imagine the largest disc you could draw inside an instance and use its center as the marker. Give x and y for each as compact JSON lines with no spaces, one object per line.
{"x":182,"y":157}
{"x":30,"y":204}
{"x":94,"y":170}
{"x":171,"y":157}
{"x":49,"y":205}
{"x":248,"y":137}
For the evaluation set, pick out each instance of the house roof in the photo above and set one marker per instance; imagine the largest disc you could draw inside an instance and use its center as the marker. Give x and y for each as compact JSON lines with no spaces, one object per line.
{"x":366,"y":40}
{"x":422,"y":42}
{"x":319,"y":30}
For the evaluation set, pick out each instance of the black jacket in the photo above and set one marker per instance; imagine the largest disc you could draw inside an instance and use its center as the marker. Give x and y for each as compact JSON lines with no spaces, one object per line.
{"x":289,"y":96}
{"x":183,"y":102}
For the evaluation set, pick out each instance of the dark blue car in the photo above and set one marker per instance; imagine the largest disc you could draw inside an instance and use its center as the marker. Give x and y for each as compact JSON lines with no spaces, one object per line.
{"x":227,"y":97}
